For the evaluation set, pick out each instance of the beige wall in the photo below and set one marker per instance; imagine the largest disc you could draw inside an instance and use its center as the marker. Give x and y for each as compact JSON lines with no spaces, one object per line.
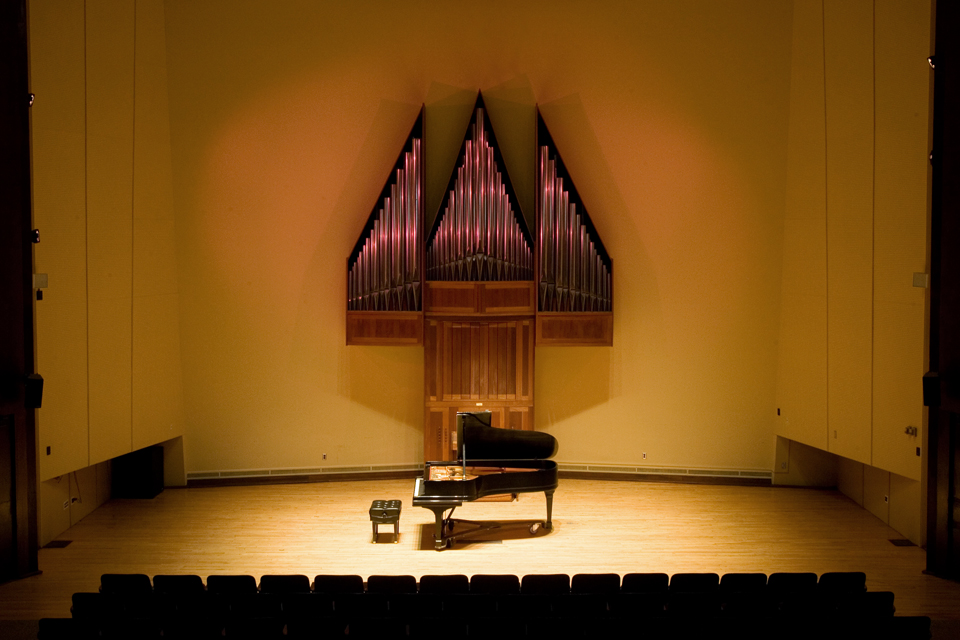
{"x":853,"y":326}
{"x":108,"y":326}
{"x":285,"y":120}
{"x":757,"y":171}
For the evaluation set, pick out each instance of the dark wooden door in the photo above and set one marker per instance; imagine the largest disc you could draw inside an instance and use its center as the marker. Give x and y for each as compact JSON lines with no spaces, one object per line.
{"x":18,"y":515}
{"x":943,"y":391}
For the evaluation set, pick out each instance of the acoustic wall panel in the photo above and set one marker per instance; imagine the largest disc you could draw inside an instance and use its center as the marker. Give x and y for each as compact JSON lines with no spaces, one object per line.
{"x":59,"y":205}
{"x":110,"y":116}
{"x":157,"y":411}
{"x":156,"y":389}
{"x":848,"y":51}
{"x":900,"y":231}
{"x":802,"y":370}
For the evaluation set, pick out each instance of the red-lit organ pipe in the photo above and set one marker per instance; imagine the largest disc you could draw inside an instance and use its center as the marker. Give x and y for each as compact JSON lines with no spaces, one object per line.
{"x":573,"y":275}
{"x":478,"y":237}
{"x":386,"y":273}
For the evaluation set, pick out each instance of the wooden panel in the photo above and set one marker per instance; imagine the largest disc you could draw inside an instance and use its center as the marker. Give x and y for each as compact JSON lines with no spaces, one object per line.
{"x":384,"y":328}
{"x":475,"y":366}
{"x":436,"y":428}
{"x":431,"y":364}
{"x":575,"y":329}
{"x":508,"y":298}
{"x":480,"y":298}
{"x":451,"y":297}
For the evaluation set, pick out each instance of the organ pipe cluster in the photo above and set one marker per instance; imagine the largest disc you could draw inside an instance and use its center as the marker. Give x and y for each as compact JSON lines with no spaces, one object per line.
{"x":479,"y":237}
{"x":573,"y":274}
{"x":385,"y":275}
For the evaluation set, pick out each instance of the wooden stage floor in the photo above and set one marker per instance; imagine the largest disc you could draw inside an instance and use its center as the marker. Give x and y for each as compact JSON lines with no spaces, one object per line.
{"x":599,"y":526}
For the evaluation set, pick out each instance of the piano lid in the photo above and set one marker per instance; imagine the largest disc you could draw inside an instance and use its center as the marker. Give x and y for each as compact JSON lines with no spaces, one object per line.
{"x":483,"y":442}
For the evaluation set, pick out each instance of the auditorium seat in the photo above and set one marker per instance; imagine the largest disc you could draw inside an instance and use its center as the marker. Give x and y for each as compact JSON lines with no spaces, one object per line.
{"x":643,"y":593}
{"x":495,"y":584}
{"x":284,"y":584}
{"x":595,"y":583}
{"x":178,"y":584}
{"x":126,"y":584}
{"x":686,"y":605}
{"x":693,"y":594}
{"x":743,"y":595}
{"x":743,"y":583}
{"x":443,"y":584}
{"x":231,"y":585}
{"x":391,"y":584}
{"x":645,"y":583}
{"x":835,"y":582}
{"x":545,"y":584}
{"x":435,"y":593}
{"x":787,"y":583}
{"x":338,"y":584}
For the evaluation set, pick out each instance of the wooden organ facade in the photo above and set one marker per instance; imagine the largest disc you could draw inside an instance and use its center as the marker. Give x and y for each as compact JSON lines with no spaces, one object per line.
{"x":480,"y":291}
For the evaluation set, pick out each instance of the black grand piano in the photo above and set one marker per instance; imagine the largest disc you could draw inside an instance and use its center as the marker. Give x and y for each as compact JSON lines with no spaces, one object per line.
{"x":490,"y":461}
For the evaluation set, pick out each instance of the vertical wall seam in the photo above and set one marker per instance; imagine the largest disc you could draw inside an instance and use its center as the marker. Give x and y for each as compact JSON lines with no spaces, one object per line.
{"x":873,"y":239}
{"x":826,"y":211}
{"x":86,"y":217}
{"x":133,"y":230}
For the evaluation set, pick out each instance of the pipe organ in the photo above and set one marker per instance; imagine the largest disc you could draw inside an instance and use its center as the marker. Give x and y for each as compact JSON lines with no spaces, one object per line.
{"x":479,"y":236}
{"x":482,"y":291}
{"x":384,"y":269}
{"x":574,"y":274}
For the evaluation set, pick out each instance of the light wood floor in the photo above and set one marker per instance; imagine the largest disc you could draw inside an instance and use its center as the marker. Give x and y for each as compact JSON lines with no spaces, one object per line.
{"x":600,"y":526}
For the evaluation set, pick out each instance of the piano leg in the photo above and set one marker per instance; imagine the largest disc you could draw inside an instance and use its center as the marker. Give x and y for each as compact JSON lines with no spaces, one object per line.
{"x":549,"y":523}
{"x":438,"y":540}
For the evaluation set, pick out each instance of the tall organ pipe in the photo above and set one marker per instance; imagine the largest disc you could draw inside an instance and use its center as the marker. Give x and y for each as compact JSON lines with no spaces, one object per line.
{"x":385,"y":275}
{"x":573,"y":274}
{"x":478,"y":236}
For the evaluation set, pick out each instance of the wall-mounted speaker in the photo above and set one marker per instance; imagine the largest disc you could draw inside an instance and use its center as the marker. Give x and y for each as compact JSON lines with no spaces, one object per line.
{"x":931,"y":389}
{"x":33,"y":396}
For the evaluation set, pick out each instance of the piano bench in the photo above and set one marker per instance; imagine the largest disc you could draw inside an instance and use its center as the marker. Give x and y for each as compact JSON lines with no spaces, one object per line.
{"x":385,"y":512}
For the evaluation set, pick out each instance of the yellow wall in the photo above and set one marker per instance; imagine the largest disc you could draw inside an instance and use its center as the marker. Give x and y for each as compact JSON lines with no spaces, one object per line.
{"x":853,"y":325}
{"x":108,"y":326}
{"x":286,"y":118}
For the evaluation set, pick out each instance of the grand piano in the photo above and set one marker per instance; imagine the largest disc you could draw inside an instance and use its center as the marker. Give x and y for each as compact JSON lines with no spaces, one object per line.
{"x":490,"y":461}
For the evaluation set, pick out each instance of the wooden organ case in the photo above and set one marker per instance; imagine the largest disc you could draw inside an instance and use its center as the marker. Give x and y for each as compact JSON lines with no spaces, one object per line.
{"x":481,"y":291}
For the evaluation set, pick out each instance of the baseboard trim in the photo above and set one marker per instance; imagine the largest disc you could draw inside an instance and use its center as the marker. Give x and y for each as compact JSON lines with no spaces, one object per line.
{"x":572,"y":471}
{"x":299,"y":476}
{"x":657,"y":477}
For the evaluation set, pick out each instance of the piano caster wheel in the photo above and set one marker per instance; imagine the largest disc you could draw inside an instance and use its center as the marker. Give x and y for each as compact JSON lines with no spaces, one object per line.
{"x":450,"y":526}
{"x":534,"y":528}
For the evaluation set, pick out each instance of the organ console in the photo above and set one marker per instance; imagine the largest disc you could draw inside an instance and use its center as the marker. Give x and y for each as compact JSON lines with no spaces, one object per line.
{"x":490,"y":461}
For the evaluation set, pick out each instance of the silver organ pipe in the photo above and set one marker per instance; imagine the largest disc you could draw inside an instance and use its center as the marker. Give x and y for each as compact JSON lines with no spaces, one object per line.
{"x":385,"y":274}
{"x":574,"y":276}
{"x":478,"y":236}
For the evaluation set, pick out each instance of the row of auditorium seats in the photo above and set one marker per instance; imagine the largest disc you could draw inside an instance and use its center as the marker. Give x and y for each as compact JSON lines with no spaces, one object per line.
{"x":536,"y":605}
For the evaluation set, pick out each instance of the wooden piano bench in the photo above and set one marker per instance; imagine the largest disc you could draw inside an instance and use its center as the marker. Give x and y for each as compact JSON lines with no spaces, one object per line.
{"x":385,"y":512}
